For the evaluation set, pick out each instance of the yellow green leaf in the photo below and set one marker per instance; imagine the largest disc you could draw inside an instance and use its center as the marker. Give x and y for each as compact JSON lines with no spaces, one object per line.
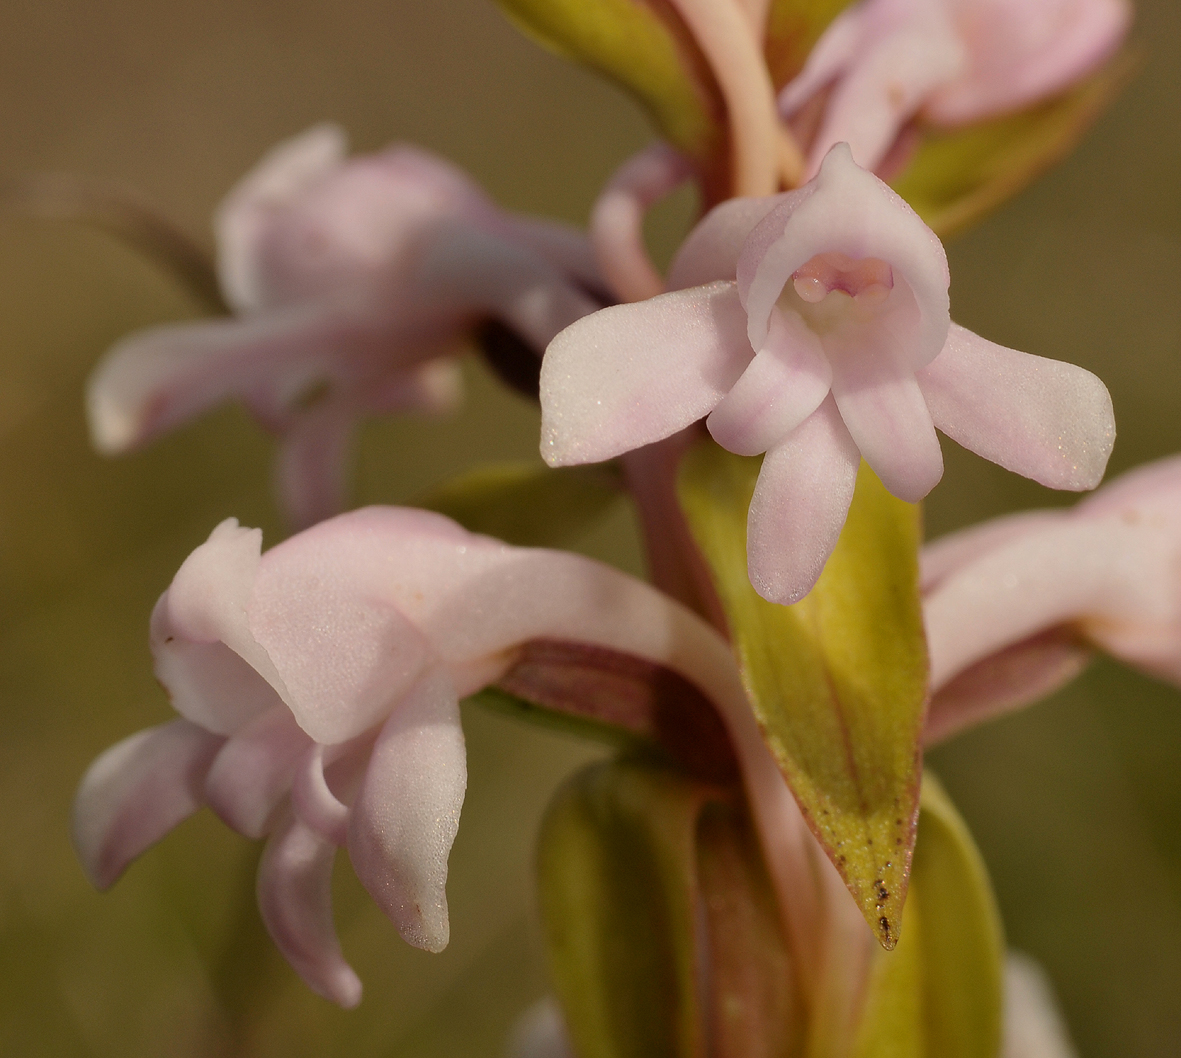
{"x":527,"y":504}
{"x":793,"y":27}
{"x":616,"y":865}
{"x":955,"y":177}
{"x":838,"y":680}
{"x":940,"y":992}
{"x":645,"y":47}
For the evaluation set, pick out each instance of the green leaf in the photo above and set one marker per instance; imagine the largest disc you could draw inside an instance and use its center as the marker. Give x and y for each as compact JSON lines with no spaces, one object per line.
{"x":940,"y":992}
{"x":956,"y":177}
{"x":645,"y":47}
{"x":661,"y":923}
{"x":793,"y":27}
{"x":618,"y":902}
{"x":527,"y":504}
{"x":838,"y":680}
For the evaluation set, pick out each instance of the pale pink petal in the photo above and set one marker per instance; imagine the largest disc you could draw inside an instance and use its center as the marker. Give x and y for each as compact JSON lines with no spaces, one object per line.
{"x":1033,"y":1026}
{"x":295,"y":898}
{"x":315,"y":803}
{"x":406,"y":814}
{"x":311,"y":468}
{"x":799,"y":506}
{"x":343,"y":651}
{"x":160,"y":378}
{"x":1007,"y":680}
{"x":565,"y":247}
{"x":943,"y":556}
{"x":1048,"y":577}
{"x":887,"y":83}
{"x":1154,"y":487}
{"x":1044,"y":419}
{"x":831,"y":55}
{"x":617,"y":219}
{"x":252,"y":773}
{"x":633,"y":374}
{"x":713,"y":247}
{"x":469,"y":272}
{"x":1020,"y":52}
{"x":136,"y":792}
{"x":214,"y":670}
{"x":851,"y":211}
{"x":780,"y":388}
{"x":283,"y":173}
{"x":888,"y":420}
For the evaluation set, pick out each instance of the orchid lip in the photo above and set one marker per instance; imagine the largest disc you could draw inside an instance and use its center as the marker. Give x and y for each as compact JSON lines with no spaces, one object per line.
{"x":867,"y":279}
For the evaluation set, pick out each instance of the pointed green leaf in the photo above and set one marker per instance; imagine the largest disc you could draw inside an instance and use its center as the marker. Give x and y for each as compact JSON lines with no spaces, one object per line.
{"x":793,"y":27}
{"x":525,"y":503}
{"x":616,"y":865}
{"x":940,"y":992}
{"x":838,"y":680}
{"x":644,"y":46}
{"x":956,"y":177}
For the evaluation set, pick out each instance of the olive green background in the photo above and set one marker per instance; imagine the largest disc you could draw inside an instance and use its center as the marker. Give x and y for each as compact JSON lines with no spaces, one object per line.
{"x":1076,"y":803}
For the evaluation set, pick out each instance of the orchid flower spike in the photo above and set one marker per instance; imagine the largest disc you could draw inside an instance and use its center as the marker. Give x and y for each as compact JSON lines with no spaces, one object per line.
{"x":319,"y":687}
{"x":950,"y":62}
{"x":354,"y":284}
{"x":813,"y":326}
{"x":1014,"y":606}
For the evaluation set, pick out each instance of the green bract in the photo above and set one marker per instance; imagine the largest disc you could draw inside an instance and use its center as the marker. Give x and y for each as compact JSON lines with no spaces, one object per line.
{"x":940,"y":992}
{"x":644,"y":46}
{"x":955,"y":177}
{"x":837,"y":681}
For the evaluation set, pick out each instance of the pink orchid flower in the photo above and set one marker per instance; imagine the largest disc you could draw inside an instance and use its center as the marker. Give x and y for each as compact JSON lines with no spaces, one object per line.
{"x":813,"y":326}
{"x":1014,"y":606}
{"x":319,"y":687}
{"x":951,"y":62}
{"x":355,"y":283}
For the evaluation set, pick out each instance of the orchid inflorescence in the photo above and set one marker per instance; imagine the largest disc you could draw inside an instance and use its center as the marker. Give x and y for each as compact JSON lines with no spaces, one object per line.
{"x":777,"y":681}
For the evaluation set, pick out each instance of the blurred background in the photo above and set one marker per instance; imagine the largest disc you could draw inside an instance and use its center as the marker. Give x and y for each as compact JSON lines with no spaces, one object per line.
{"x":1076,"y":803}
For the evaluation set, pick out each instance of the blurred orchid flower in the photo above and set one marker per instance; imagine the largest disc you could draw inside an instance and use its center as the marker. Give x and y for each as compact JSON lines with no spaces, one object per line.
{"x":833,"y":343}
{"x":1014,"y":606}
{"x":319,"y":689}
{"x":354,"y":283}
{"x":952,"y":62}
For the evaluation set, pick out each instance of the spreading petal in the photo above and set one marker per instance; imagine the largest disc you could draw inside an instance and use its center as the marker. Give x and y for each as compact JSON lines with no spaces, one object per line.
{"x":406,"y":813}
{"x":888,"y":420}
{"x":136,"y":792}
{"x":633,"y":374}
{"x":1044,"y":419}
{"x":252,"y":773}
{"x":295,"y":898}
{"x":712,"y":249}
{"x":780,"y":388}
{"x":799,"y":506}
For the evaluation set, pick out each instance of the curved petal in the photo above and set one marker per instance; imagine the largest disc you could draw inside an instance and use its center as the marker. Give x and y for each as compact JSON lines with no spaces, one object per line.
{"x":295,"y":898}
{"x":343,"y":650}
{"x":710,"y":253}
{"x":851,"y":211}
{"x":163,"y":377}
{"x":946,"y":554}
{"x":1020,"y":52}
{"x":252,"y":773}
{"x":888,"y":420}
{"x":617,"y":219}
{"x":1033,"y":1026}
{"x":1045,"y":419}
{"x":284,"y":171}
{"x":136,"y":792}
{"x":315,"y":803}
{"x":406,"y":814}
{"x":799,"y":506}
{"x":830,"y":56}
{"x":633,"y":374}
{"x":782,"y":386}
